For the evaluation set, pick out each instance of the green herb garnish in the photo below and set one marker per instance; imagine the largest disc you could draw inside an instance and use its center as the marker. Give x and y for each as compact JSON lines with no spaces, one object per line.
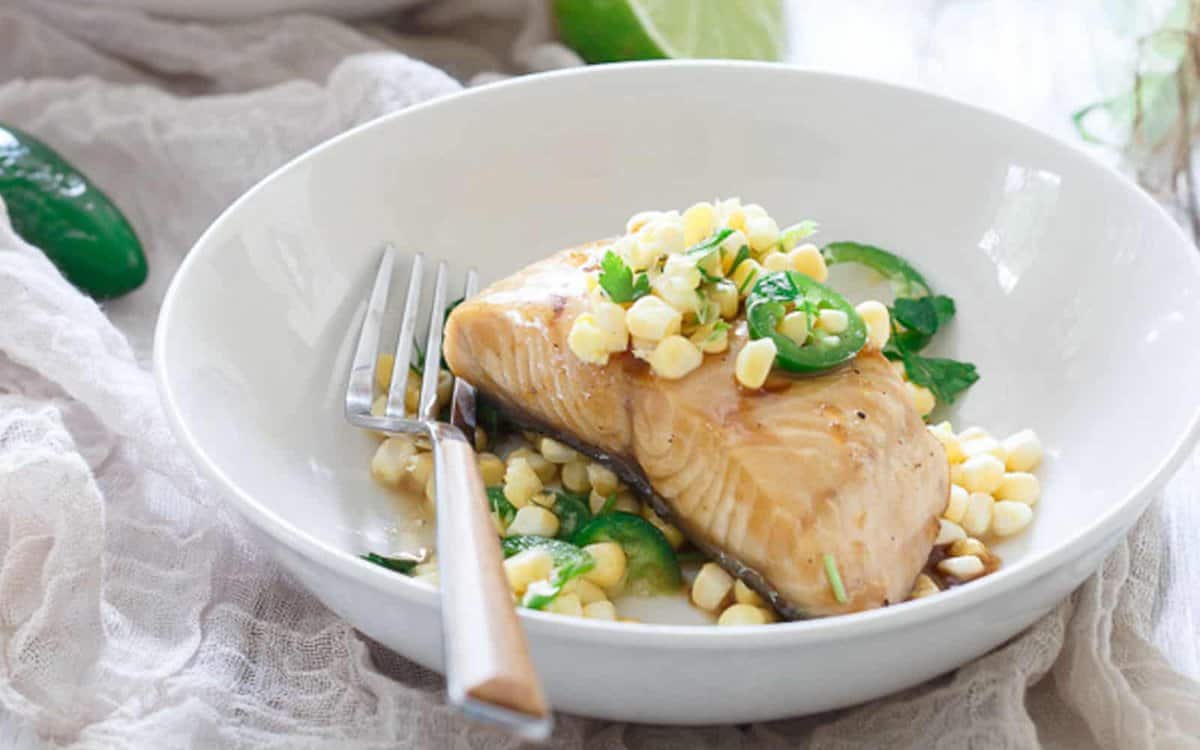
{"x":572,"y":511}
{"x":947,"y":378}
{"x":570,"y":562}
{"x":743,"y":254}
{"x":791,"y":236}
{"x":402,"y":565}
{"x":500,"y":505}
{"x":617,"y":280}
{"x":608,"y":506}
{"x":835,"y":579}
{"x":718,"y":328}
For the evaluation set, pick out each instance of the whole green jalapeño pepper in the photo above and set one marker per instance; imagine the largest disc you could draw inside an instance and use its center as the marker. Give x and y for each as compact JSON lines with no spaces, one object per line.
{"x":767,"y":304}
{"x":55,"y":208}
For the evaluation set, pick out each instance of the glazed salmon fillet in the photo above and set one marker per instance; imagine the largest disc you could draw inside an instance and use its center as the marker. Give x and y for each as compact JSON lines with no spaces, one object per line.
{"x":767,"y":481}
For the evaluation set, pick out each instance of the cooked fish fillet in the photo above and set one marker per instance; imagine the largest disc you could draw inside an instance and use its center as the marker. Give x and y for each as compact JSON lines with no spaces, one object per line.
{"x":768,"y":482}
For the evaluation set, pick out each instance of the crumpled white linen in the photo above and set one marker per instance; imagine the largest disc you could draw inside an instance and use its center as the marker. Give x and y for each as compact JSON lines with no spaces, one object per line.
{"x":135,"y":608}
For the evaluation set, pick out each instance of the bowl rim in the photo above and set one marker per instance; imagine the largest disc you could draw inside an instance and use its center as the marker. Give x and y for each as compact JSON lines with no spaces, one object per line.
{"x":858,"y":624}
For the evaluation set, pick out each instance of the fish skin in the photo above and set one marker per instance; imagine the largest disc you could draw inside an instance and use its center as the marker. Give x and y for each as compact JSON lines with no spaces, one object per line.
{"x":767,"y":481}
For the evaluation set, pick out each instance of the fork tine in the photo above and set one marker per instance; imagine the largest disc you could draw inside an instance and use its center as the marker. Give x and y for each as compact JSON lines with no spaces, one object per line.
{"x":404,"y":341}
{"x":472,"y":284}
{"x":433,"y":348}
{"x":360,"y":386}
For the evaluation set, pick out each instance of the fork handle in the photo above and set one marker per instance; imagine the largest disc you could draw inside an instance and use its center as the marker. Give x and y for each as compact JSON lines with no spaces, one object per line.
{"x":486,"y":655}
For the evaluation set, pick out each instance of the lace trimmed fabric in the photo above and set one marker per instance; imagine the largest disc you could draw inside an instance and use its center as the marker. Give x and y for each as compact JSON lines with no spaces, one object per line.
{"x":136,"y":609}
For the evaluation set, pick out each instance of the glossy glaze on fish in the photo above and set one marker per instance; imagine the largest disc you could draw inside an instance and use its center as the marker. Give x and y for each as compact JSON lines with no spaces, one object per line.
{"x":766,"y":481}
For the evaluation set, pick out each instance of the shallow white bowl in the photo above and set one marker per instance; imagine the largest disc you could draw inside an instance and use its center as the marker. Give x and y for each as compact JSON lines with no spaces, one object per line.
{"x":1079,"y":300}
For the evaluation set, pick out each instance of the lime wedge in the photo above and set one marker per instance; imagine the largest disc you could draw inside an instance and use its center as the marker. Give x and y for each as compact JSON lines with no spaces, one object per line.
{"x":614,"y":30}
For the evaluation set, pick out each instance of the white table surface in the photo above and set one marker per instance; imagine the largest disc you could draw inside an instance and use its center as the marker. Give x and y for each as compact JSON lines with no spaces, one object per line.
{"x":1031,"y":60}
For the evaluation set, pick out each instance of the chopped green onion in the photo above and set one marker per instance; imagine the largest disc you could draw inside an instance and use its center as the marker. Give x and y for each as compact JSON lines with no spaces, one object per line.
{"x":790,"y":237}
{"x":743,"y":253}
{"x":609,"y":504}
{"x":835,"y":579}
{"x":399,"y":564}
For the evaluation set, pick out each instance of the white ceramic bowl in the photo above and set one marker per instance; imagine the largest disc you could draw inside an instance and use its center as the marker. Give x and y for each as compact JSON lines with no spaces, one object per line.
{"x":1078,"y":298}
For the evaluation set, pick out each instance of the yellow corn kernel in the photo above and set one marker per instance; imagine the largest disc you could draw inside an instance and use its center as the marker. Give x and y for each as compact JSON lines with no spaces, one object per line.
{"x":555,"y":452}
{"x":481,"y":440}
{"x":383,"y":370}
{"x":639,"y":220}
{"x":745,"y":276}
{"x":982,"y":473}
{"x":610,"y":319}
{"x":575,"y":475}
{"x":1009,"y":517}
{"x":923,"y":587}
{"x":725,"y":296}
{"x":610,"y":564}
{"x":762,"y":233}
{"x":1019,"y":486}
{"x":922,"y":398}
{"x":545,"y":470}
{"x":969,"y":546}
{"x":588,"y":592}
{"x":412,"y":392}
{"x":776,"y":261}
{"x":711,"y":340}
{"x":743,"y":594}
{"x":956,"y":507}
{"x":388,"y":463}
{"x":743,"y":614}
{"x":445,"y":386}
{"x":533,"y":520}
{"x":965,"y":568}
{"x":948,"y":533}
{"x":544,"y":499}
{"x":978,"y":517}
{"x":653,"y":319}
{"x":602,"y":479}
{"x":566,"y":604}
{"x":712,"y":587}
{"x":832,"y":321}
{"x":945,"y":435}
{"x":419,"y":468}
{"x":491,"y":469}
{"x":521,"y":483}
{"x":807,"y":259}
{"x":600,"y":611}
{"x":675,"y":357}
{"x":1023,"y":451}
{"x":879,"y":323}
{"x":984,"y":444}
{"x":698,"y":222}
{"x":588,"y":341}
{"x":754,"y":363}
{"x":795,"y":326}
{"x":674,"y":536}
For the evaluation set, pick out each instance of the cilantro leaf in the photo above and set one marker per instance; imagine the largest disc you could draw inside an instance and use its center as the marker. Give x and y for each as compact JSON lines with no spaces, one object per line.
{"x":947,"y":378}
{"x":616,"y":278}
{"x":923,"y":314}
{"x":500,"y":505}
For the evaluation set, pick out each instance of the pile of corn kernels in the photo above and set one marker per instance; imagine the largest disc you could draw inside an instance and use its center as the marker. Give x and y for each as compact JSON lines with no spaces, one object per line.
{"x":693,"y":296}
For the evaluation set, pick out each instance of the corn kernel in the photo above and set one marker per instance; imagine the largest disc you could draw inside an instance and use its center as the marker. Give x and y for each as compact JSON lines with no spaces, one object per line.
{"x":391,"y":457}
{"x":743,"y":614}
{"x":602,"y":479}
{"x":639,"y":220}
{"x":383,"y":370}
{"x":1023,"y":451}
{"x":968,"y":546}
{"x":956,"y":506}
{"x":521,"y":483}
{"x":923,"y":587}
{"x":481,"y":440}
{"x":431,"y":489}
{"x":743,"y":594}
{"x":982,"y":473}
{"x":725,"y":296}
{"x":807,"y":259}
{"x":574,"y":475}
{"x":610,"y":564}
{"x":795,"y":326}
{"x":879,"y":323}
{"x":533,"y":520}
{"x":653,"y":319}
{"x":978,"y":517}
{"x":555,"y":452}
{"x":712,"y":587}
{"x":972,"y":433}
{"x":588,"y":341}
{"x":745,"y":276}
{"x":776,"y":261}
{"x":699,"y":220}
{"x":984,"y":444}
{"x":566,"y":604}
{"x":588,"y":592}
{"x":711,"y":340}
{"x":1019,"y":486}
{"x":491,"y":469}
{"x":526,"y":567}
{"x":730,"y":247}
{"x":762,"y":233}
{"x":673,"y":535}
{"x":922,"y":398}
{"x":754,"y":362}
{"x":545,"y":470}
{"x":965,"y":568}
{"x":1009,"y":517}
{"x":419,"y":467}
{"x":833,"y":321}
{"x":412,"y":392}
{"x":948,"y":533}
{"x":949,"y":441}
{"x":610,"y":319}
{"x":675,"y":357}
{"x":600,"y":611}
{"x":445,"y":386}
{"x":624,"y":502}
{"x":544,"y":499}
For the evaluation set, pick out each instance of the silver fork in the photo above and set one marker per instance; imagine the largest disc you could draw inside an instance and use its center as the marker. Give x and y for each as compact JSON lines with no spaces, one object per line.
{"x":489,"y":675}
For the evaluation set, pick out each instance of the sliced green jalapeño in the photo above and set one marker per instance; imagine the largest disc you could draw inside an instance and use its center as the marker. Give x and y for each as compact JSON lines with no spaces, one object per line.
{"x":770,"y":301}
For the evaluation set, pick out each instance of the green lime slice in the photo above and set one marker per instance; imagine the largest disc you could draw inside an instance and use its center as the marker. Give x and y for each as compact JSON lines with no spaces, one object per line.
{"x":614,"y":30}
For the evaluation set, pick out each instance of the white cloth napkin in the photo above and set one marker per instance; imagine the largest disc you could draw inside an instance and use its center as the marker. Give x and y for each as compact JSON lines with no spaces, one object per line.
{"x":135,"y":610}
